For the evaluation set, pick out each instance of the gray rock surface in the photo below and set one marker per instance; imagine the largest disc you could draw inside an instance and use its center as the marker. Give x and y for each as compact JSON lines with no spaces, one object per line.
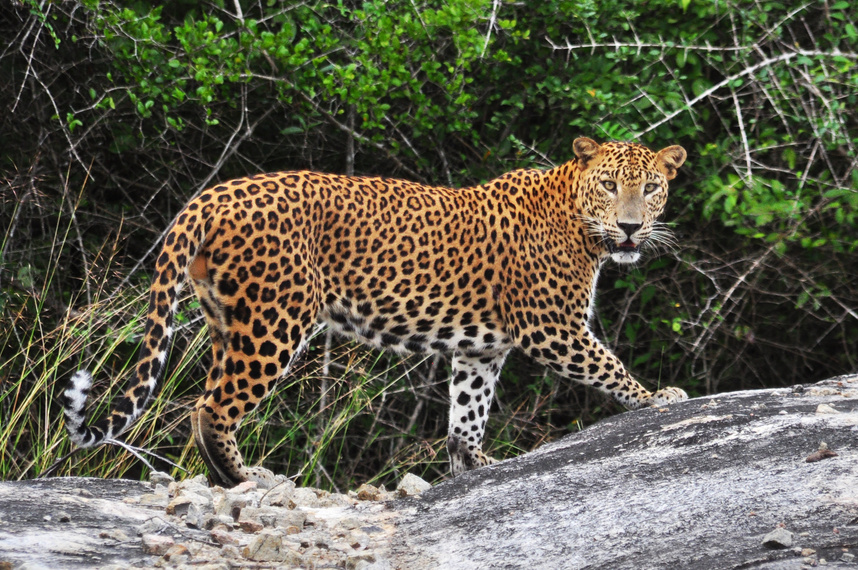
{"x":761,"y":480}
{"x":72,"y":522}
{"x":697,"y":485}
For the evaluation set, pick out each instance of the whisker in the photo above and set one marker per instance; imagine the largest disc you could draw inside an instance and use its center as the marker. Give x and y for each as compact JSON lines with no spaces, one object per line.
{"x":662,"y":238}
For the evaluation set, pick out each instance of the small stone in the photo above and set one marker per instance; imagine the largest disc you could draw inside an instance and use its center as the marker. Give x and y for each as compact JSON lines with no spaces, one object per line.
{"x":412,"y":485}
{"x":195,"y":517}
{"x":358,"y":540}
{"x":847,"y":557}
{"x":250,"y":525}
{"x":230,"y":505}
{"x":358,"y":561}
{"x":63,"y":517}
{"x":304,"y":497}
{"x":807,"y":552}
{"x":154,"y":525}
{"x":367,"y":492}
{"x":778,"y":538}
{"x":230,"y":551}
{"x":115,"y":534}
{"x":179,"y":506}
{"x":269,"y":546}
{"x":175,"y":551}
{"x":821,"y":453}
{"x":223,"y":537}
{"x":335,"y":500}
{"x":160,"y":478}
{"x":211,"y":521}
{"x":272,"y":517}
{"x":154,"y":500}
{"x":280,"y":495}
{"x":826,"y":409}
{"x":157,"y":544}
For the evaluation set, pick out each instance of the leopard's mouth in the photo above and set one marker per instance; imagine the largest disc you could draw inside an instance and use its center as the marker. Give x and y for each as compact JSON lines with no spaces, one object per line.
{"x":627,"y":246}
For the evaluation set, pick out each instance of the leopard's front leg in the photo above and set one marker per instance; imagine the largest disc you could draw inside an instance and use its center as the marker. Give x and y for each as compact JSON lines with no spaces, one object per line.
{"x":586,"y":360}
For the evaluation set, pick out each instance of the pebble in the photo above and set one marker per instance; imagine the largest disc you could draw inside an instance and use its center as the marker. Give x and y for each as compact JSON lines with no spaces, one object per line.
{"x":210,"y":528}
{"x":157,"y":544}
{"x":778,"y":538}
{"x":412,"y":485}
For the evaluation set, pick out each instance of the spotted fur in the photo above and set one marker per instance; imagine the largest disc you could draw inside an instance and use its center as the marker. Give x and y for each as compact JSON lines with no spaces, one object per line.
{"x":471,"y":272}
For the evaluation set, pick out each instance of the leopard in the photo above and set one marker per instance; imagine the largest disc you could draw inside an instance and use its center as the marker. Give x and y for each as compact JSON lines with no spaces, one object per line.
{"x":471,"y":273}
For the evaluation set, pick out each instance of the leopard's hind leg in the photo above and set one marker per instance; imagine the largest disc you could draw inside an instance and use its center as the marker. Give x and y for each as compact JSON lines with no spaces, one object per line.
{"x":472,"y":388}
{"x":254,"y":340}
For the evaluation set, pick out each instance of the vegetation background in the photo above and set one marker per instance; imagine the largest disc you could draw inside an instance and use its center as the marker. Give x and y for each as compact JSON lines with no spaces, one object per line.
{"x":115,"y":113}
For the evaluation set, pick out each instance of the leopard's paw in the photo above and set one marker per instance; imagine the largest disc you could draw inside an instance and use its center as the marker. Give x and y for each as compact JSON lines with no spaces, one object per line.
{"x":464,"y":456}
{"x":667,"y":396}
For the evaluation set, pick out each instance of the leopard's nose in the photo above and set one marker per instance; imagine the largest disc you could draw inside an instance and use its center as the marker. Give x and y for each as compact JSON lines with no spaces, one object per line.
{"x":630,"y":229}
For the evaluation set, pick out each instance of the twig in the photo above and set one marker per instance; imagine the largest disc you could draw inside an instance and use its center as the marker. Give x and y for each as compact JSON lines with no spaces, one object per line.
{"x":29,"y":59}
{"x":742,"y":133}
{"x":616,"y":45}
{"x":239,"y":15}
{"x":495,"y":6}
{"x":747,"y":71}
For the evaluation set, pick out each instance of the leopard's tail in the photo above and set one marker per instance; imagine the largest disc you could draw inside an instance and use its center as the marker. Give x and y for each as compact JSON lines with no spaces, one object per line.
{"x":180,"y":246}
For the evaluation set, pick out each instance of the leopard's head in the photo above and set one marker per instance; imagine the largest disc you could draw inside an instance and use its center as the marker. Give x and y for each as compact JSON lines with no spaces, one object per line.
{"x":622,"y":191}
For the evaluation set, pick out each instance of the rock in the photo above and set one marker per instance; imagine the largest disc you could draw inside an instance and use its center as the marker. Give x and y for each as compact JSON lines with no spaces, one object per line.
{"x":223,"y":537}
{"x":179,"y":506}
{"x":154,"y":500}
{"x":778,"y":538}
{"x":698,"y":485}
{"x":156,"y":543}
{"x":305,"y":497}
{"x":269,"y":546}
{"x":826,"y":409}
{"x":160,"y":478}
{"x":176,"y":551}
{"x":115,"y":534}
{"x":649,"y":478}
{"x":273,"y":517}
{"x":280,"y":495}
{"x":250,"y":525}
{"x":412,"y":485}
{"x":822,"y":452}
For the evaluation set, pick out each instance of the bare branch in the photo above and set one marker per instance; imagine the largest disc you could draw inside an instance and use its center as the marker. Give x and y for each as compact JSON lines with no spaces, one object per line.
{"x":495,"y":6}
{"x":743,"y":135}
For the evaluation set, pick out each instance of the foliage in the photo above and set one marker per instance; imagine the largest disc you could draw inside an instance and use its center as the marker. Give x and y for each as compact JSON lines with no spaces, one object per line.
{"x":117,"y":112}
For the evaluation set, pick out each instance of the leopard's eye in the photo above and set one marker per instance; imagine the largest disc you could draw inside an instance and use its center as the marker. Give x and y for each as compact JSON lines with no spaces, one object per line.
{"x":650,"y":188}
{"x":610,"y":186}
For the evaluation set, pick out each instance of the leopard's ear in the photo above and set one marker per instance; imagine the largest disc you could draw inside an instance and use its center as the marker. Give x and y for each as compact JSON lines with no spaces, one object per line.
{"x":586,"y":150}
{"x":669,"y":159}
